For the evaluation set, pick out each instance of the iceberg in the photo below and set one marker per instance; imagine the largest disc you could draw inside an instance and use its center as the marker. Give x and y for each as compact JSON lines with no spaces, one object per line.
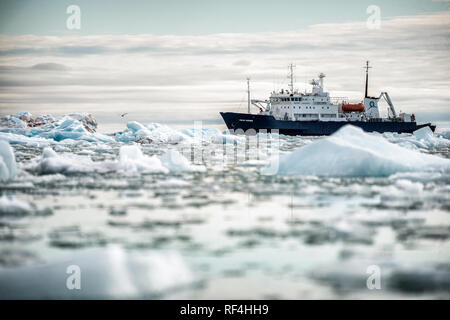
{"x":351,"y":152}
{"x":74,"y":126}
{"x":7,"y":162}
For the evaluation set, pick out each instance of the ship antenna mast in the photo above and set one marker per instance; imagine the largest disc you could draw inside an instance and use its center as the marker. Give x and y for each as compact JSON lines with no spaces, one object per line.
{"x":248,"y":95}
{"x":367,"y":77}
{"x":291,"y":76}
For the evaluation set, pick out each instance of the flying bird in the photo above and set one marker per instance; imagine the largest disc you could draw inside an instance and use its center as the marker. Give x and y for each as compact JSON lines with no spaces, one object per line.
{"x":124,"y":114}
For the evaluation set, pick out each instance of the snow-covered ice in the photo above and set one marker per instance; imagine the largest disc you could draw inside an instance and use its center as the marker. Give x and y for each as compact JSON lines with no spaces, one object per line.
{"x":352,"y":152}
{"x":136,"y":131}
{"x":75,"y":126}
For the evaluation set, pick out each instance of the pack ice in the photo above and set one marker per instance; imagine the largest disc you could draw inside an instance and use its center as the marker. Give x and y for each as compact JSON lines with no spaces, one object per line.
{"x":352,"y":152}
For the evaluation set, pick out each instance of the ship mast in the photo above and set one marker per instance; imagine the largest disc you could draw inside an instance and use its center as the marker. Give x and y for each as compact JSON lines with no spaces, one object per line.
{"x":291,"y":76}
{"x":248,"y":95}
{"x":367,"y":77}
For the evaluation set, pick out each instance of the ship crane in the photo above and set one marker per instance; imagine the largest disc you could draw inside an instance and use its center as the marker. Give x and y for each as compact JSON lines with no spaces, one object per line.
{"x":386,"y":97}
{"x":259,"y":104}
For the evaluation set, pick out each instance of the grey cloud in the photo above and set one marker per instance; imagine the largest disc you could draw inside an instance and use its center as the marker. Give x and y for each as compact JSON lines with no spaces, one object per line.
{"x":50,"y":66}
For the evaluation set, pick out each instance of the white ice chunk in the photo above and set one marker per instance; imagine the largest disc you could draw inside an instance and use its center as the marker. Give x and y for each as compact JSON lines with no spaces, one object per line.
{"x":14,"y":207}
{"x":7,"y":162}
{"x":445,"y":134}
{"x":426,"y":136}
{"x":154,"y":131}
{"x":176,"y":162}
{"x":132,"y":159}
{"x":51,"y":163}
{"x":352,"y":152}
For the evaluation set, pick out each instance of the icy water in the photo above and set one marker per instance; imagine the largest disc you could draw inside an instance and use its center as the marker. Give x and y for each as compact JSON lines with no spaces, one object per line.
{"x":221,"y":231}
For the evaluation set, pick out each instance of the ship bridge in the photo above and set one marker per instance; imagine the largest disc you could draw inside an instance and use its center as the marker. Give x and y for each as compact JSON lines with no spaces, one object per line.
{"x":294,"y":105}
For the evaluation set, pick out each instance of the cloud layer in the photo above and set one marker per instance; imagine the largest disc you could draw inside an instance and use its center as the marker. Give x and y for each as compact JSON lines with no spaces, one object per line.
{"x":174,"y":78}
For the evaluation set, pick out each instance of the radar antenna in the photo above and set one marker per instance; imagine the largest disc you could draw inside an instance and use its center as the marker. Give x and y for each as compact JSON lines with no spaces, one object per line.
{"x":291,"y":77}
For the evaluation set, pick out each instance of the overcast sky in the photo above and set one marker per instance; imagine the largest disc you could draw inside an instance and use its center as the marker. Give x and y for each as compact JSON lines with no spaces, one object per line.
{"x":170,"y":61}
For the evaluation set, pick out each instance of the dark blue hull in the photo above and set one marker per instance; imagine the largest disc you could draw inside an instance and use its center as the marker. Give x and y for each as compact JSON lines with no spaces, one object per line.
{"x":245,"y":121}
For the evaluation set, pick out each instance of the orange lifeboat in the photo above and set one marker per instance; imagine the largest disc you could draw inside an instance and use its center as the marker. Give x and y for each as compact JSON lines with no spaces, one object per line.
{"x":350,"y":107}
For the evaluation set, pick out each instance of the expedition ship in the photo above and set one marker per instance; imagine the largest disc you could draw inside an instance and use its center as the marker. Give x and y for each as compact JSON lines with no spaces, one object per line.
{"x":313,"y":114}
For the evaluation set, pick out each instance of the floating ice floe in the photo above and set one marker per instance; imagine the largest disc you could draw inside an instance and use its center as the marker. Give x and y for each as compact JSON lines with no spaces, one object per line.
{"x":13,"y":207}
{"x":136,"y":132}
{"x":14,"y":138}
{"x":445,"y":134}
{"x":423,"y":138}
{"x":131,"y":160}
{"x":426,"y":136}
{"x":176,"y":162}
{"x":75,"y":126}
{"x":352,"y":152}
{"x":7,"y":162}
{"x":131,"y":274}
{"x":213,"y":135}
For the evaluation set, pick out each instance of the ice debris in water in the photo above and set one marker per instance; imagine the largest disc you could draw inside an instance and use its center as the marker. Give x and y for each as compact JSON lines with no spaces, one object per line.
{"x":137,"y":132}
{"x":131,"y":159}
{"x":352,"y":152}
{"x":213,"y":135}
{"x":7,"y":162}
{"x":76,"y":126}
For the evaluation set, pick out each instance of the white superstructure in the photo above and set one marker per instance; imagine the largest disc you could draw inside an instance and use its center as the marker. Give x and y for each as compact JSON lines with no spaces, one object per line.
{"x":297,"y":106}
{"x":292,"y":105}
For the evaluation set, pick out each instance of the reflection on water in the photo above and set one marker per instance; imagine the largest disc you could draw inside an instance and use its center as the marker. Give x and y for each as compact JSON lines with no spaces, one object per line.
{"x":226,"y":232}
